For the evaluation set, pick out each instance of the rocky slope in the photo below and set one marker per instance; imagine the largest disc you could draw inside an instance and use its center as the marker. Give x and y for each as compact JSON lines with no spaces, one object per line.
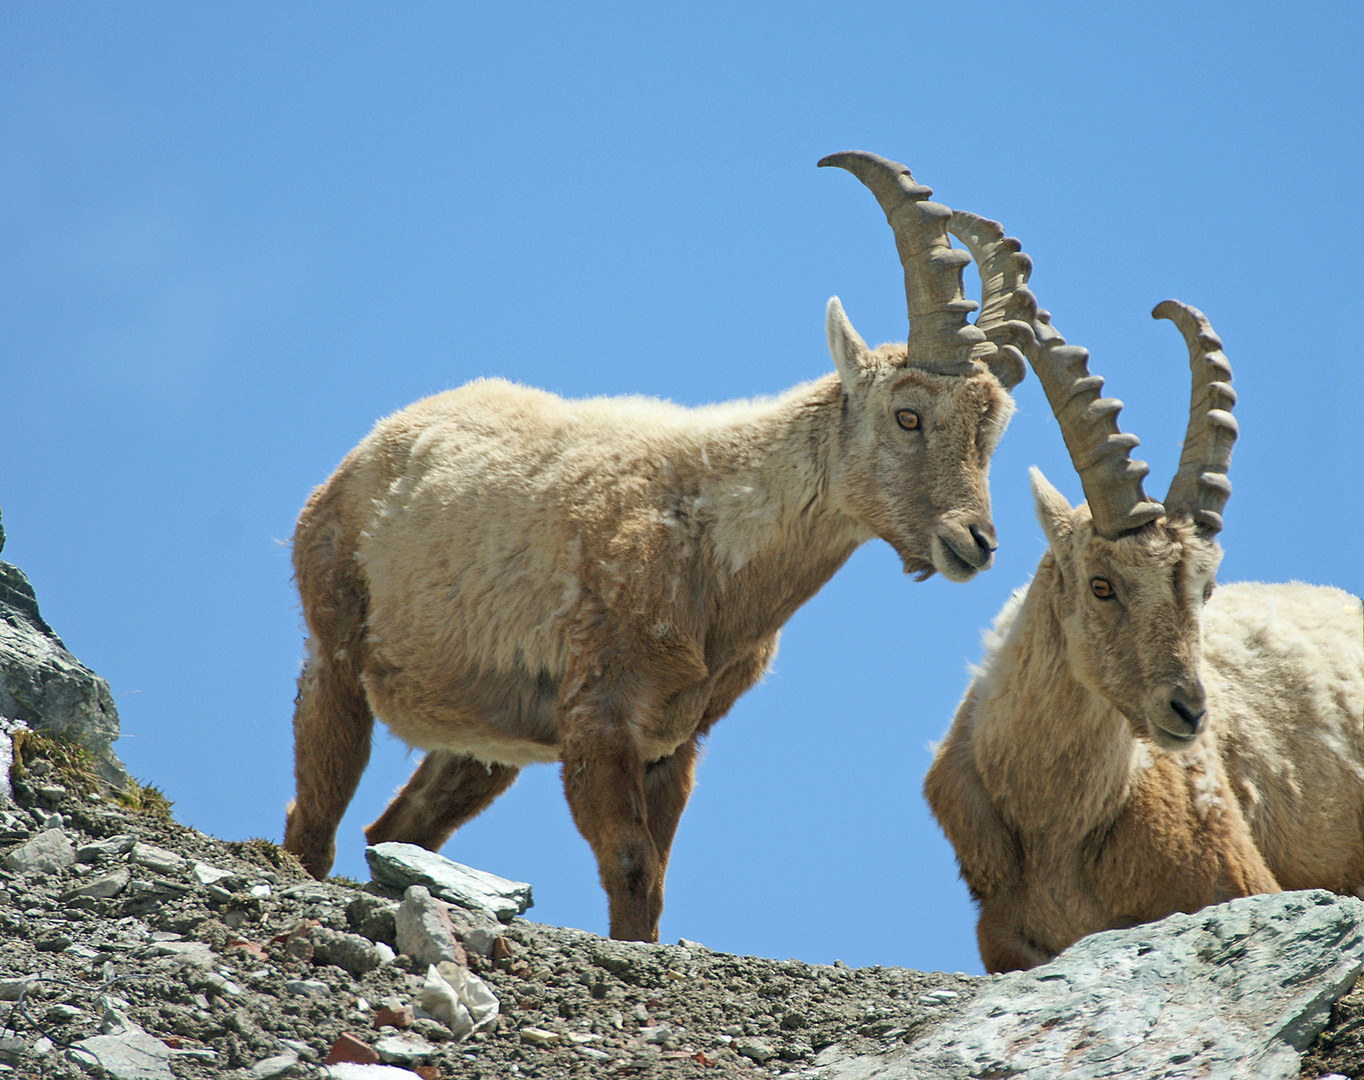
{"x":229,"y":957}
{"x":138,"y":948}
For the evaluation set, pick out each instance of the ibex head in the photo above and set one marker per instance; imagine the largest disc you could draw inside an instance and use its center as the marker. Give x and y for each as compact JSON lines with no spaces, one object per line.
{"x":1132,"y":575}
{"x":923,"y":417}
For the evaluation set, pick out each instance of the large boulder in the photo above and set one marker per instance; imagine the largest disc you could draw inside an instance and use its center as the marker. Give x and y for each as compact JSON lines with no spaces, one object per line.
{"x":46,"y":687}
{"x":1232,"y":991}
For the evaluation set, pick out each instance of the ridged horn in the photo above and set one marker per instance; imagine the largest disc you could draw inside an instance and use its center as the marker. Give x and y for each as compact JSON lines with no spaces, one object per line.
{"x":1200,"y":487}
{"x":1005,"y":312}
{"x":1100,"y":452}
{"x":940,"y":339}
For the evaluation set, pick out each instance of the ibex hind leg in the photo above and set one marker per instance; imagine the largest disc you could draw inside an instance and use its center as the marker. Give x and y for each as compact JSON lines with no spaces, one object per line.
{"x":332,"y":726}
{"x":444,"y":792}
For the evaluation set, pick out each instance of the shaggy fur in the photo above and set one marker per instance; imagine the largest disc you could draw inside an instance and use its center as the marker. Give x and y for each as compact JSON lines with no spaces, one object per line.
{"x":506,"y":577}
{"x":1078,"y":796}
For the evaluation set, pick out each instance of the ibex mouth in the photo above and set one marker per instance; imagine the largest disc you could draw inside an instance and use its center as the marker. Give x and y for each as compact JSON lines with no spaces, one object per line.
{"x":958,"y":562}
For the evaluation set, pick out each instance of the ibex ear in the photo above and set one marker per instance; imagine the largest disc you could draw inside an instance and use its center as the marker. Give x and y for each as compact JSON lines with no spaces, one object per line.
{"x":1053,"y":511}
{"x":845,"y":346}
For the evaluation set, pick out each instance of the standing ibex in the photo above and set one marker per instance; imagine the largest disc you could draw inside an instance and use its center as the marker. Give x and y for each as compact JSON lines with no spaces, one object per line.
{"x":1134,"y":743}
{"x":505,"y":577}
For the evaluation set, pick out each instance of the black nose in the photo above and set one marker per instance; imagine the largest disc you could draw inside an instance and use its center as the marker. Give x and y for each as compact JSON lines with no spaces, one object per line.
{"x":1190,"y":706}
{"x":985,"y":540}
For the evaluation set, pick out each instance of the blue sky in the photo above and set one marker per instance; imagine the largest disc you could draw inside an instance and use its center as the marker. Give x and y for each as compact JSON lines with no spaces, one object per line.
{"x":233,"y":236}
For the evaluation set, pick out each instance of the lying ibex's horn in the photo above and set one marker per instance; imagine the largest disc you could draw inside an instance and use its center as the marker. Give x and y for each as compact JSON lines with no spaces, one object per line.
{"x":940,"y":338}
{"x":1200,"y":487}
{"x":1099,"y":451}
{"x":1005,"y":311}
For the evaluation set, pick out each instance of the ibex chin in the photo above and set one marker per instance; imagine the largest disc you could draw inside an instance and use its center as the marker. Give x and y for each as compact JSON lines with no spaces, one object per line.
{"x":506,"y":577}
{"x":1135,"y":743}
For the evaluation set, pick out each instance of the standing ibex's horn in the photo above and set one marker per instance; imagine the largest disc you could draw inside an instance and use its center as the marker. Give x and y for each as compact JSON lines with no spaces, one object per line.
{"x":940,"y":338}
{"x":1200,"y":487}
{"x":1100,"y":452}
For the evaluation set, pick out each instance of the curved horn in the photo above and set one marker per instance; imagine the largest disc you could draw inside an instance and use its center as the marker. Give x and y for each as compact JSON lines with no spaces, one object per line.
{"x":940,"y":338}
{"x":1200,"y":487}
{"x":1099,"y":451}
{"x":1004,"y":271}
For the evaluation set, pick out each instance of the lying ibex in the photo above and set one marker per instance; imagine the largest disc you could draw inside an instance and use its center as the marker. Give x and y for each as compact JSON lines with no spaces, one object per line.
{"x":1134,"y":743}
{"x":505,"y":577}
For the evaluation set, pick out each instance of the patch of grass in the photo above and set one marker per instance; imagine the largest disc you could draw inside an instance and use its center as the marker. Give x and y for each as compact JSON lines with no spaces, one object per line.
{"x":145,"y":799}
{"x":74,"y":769}
{"x":72,"y":765}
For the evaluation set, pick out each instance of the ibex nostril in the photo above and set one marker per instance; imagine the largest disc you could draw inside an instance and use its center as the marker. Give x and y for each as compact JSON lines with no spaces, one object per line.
{"x":985,"y":540}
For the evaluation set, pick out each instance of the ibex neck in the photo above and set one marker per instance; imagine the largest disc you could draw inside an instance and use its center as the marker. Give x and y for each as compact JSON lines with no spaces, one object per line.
{"x":1056,"y":755}
{"x":775,"y":534}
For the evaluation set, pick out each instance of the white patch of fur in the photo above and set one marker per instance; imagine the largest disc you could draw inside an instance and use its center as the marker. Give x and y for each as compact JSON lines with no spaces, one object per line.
{"x":1205,"y":780}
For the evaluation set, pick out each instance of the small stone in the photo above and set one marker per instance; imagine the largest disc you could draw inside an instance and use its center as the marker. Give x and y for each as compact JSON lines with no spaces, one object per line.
{"x":129,"y":1055}
{"x":755,"y":1050}
{"x":103,"y":887}
{"x":106,"y":849}
{"x":309,"y":988}
{"x":402,"y":1049}
{"x":348,"y":1048}
{"x":52,"y":792}
{"x":272,"y":1067}
{"x":158,"y":859}
{"x":373,"y":917}
{"x":46,"y":853}
{"x":938,"y":997}
{"x":386,"y":1016}
{"x":210,"y":875}
{"x":401,"y":865}
{"x":480,"y":940}
{"x":539,"y":1036}
{"x":424,"y":930}
{"x":351,"y":952}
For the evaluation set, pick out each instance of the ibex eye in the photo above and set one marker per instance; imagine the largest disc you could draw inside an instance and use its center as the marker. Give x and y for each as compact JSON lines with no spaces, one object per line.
{"x":1101,"y":587}
{"x":1207,"y":591}
{"x":908,"y":419}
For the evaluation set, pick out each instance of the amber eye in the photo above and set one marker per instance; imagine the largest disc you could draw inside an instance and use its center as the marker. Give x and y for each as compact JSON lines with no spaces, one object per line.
{"x":908,"y":419}
{"x":1101,"y":587}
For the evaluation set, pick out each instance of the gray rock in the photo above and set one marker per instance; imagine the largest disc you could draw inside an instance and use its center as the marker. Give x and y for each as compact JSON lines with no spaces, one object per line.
{"x":104,"y":886}
{"x":1232,"y":991}
{"x":108,"y":848}
{"x":309,"y":988}
{"x":42,"y":684}
{"x":46,"y":853}
{"x":155,"y":858}
{"x":374,"y":918}
{"x":12,"y":826}
{"x":279,"y":1065}
{"x":355,"y":954}
{"x":131,"y":1054}
{"x":424,"y":930}
{"x":479,"y":939}
{"x":399,"y":865}
{"x":14,"y":989}
{"x":403,"y":1049}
